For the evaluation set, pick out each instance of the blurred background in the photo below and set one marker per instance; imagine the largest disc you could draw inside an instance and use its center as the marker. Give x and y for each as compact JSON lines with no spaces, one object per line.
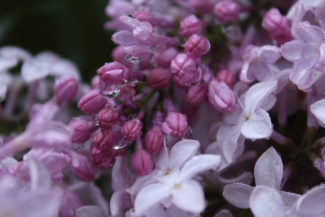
{"x":74,"y":29}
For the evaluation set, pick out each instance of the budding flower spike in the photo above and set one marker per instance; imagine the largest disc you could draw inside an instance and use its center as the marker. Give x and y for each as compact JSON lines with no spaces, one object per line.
{"x":201,"y":108}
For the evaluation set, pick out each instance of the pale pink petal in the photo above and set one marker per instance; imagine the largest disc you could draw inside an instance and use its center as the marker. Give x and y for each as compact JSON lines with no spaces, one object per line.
{"x":224,"y":213}
{"x":310,"y":33}
{"x":199,"y":164}
{"x":182,"y":151}
{"x":119,"y":201}
{"x":258,"y":93}
{"x":124,"y":37}
{"x":295,"y":50}
{"x":98,"y":198}
{"x":87,"y":211}
{"x":149,"y":196}
{"x":39,"y":176}
{"x":189,"y":196}
{"x":258,"y":126}
{"x":268,"y":169}
{"x":318,"y":110}
{"x":238,"y":194}
{"x":266,"y":202}
{"x":312,"y":202}
{"x":289,"y":198}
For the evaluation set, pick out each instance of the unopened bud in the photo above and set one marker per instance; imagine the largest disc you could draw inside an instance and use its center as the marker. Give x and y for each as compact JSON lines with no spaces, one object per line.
{"x":141,"y":162}
{"x":226,"y":11}
{"x":92,"y":102}
{"x":197,"y":46}
{"x":185,"y":71}
{"x":82,"y":130}
{"x":132,"y":129}
{"x":164,"y":57}
{"x":277,"y":25}
{"x":190,"y":25}
{"x":202,"y":6}
{"x":113,"y":73}
{"x":101,"y":158}
{"x":158,"y":78}
{"x":153,"y":140}
{"x":107,"y":117}
{"x":220,"y":96}
{"x":175,"y":124}
{"x":195,"y":95}
{"x":65,"y":88}
{"x":104,"y":139}
{"x":225,"y":76}
{"x":81,"y":167}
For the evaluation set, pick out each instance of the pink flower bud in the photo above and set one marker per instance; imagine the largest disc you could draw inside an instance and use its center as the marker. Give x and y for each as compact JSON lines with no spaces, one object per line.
{"x":166,"y":56}
{"x":141,"y":162}
{"x":175,"y":124}
{"x":107,"y":117}
{"x":190,"y":25}
{"x":220,"y":96}
{"x":277,"y":25}
{"x":95,"y":82}
{"x":69,"y":203}
{"x":225,"y":76}
{"x":158,"y":78}
{"x":92,"y":102}
{"x":119,"y":55}
{"x":226,"y":11}
{"x":153,"y":140}
{"x":104,"y":139}
{"x":185,"y":71}
{"x":81,"y":167}
{"x":202,"y":6}
{"x":144,"y":16}
{"x":65,"y":88}
{"x":197,"y":46}
{"x":132,"y":129}
{"x":113,"y":73}
{"x":101,"y":158}
{"x":82,"y":130}
{"x":195,"y":95}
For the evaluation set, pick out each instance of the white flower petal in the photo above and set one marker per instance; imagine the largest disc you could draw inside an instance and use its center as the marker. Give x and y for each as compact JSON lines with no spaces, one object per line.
{"x":39,"y":176}
{"x":294,"y":51}
{"x":258,"y":93}
{"x":189,"y":196}
{"x":238,"y":194}
{"x":149,"y":196}
{"x":87,"y":211}
{"x":182,"y":151}
{"x":266,"y":202}
{"x":259,"y":126}
{"x":312,"y":202}
{"x":199,"y":164}
{"x":268,"y":169}
{"x":318,"y":110}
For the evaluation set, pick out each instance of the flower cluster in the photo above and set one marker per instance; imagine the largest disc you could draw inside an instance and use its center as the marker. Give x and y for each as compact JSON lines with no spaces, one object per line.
{"x":197,"y":93}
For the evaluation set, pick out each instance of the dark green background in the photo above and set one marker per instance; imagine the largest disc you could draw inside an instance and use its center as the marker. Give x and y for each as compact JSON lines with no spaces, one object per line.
{"x":73,"y":29}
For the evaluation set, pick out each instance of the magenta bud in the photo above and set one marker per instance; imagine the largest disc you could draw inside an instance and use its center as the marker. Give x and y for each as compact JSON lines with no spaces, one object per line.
{"x":119,"y":55}
{"x":202,"y":6}
{"x":144,"y":16}
{"x":277,"y":25}
{"x":190,"y":25}
{"x":226,"y":11}
{"x":158,"y":78}
{"x":104,"y":139}
{"x":196,"y":94}
{"x":153,"y":140}
{"x":107,"y":117}
{"x":65,"y":88}
{"x":81,"y":167}
{"x":113,"y":73}
{"x":220,"y":96}
{"x":166,"y":56}
{"x":132,"y":129}
{"x":175,"y":124}
{"x":101,"y":158}
{"x":141,"y":162}
{"x":197,"y":46}
{"x":92,"y":102}
{"x":185,"y":71}
{"x":82,"y":130}
{"x":225,"y":76}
